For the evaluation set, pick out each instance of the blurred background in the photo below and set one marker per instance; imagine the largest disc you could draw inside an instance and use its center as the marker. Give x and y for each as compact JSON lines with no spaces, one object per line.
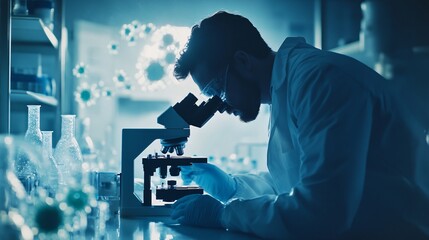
{"x":110,"y":63}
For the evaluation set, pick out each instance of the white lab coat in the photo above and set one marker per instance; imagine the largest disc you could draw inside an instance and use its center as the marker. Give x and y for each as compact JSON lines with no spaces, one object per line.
{"x":343,"y":161}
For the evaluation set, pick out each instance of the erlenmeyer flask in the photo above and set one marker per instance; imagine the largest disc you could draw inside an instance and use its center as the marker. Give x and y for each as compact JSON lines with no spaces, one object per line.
{"x":33,"y":133}
{"x":25,"y":170}
{"x":67,"y":152}
{"x":53,"y":175}
{"x":12,"y":194}
{"x":12,"y":191}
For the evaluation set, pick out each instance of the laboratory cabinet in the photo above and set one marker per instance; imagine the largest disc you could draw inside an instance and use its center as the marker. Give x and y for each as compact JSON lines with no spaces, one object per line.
{"x":32,"y":72}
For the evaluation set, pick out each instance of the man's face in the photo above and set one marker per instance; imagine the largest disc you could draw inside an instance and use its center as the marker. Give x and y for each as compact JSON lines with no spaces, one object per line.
{"x":242,"y":95}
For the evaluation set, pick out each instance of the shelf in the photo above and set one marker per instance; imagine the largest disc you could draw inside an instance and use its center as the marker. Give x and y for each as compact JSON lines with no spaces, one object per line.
{"x":32,"y":30}
{"x":27,"y":97}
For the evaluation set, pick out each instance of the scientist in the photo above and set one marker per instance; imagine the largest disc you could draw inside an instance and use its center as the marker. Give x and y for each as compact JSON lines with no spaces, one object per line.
{"x":344,"y":161}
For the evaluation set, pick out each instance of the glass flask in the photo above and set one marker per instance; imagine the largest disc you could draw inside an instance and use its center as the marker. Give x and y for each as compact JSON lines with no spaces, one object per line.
{"x":52,"y":171}
{"x":25,"y":170}
{"x":12,"y":191}
{"x":67,"y":152}
{"x":14,"y":199}
{"x":33,"y":133}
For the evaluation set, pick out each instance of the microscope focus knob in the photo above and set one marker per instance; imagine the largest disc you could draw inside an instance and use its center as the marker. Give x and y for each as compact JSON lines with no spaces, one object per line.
{"x":174,"y":171}
{"x":171,"y":184}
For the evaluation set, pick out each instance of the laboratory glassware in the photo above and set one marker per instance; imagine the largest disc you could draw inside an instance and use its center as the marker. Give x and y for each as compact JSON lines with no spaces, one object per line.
{"x":67,"y":152}
{"x":14,"y":200}
{"x":53,"y":173}
{"x":25,"y":169}
{"x":33,"y":133}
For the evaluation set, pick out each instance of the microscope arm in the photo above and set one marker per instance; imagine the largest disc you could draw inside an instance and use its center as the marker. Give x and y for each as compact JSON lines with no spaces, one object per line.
{"x":134,"y":142}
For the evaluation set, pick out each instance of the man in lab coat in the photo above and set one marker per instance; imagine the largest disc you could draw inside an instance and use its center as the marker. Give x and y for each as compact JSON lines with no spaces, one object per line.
{"x":343,"y":160}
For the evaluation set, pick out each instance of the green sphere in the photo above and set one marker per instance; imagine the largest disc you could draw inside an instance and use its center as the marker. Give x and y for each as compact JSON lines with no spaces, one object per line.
{"x":85,"y":95}
{"x":48,"y":218}
{"x":77,"y":199}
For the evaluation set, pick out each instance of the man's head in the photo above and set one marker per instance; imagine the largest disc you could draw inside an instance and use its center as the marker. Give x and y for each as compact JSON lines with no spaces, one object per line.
{"x":222,"y":55}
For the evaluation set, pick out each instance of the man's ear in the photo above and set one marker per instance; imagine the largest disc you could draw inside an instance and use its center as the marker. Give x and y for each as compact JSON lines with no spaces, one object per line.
{"x":243,"y":64}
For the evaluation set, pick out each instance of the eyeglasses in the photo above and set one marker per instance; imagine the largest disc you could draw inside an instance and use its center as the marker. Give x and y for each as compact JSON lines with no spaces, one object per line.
{"x":217,"y":86}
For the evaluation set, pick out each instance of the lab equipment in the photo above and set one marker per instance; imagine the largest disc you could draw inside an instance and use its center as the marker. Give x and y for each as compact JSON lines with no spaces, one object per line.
{"x":12,"y":192}
{"x":107,"y":188}
{"x":67,"y":152}
{"x":25,"y":169}
{"x":171,"y":192}
{"x":47,"y":153}
{"x":16,"y":205}
{"x":176,"y":121}
{"x":33,"y":134}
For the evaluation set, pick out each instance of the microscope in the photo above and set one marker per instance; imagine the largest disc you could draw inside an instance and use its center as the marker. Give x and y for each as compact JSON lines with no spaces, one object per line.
{"x":176,"y":121}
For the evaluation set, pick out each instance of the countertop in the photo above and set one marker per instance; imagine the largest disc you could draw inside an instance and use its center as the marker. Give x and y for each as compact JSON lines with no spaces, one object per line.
{"x":163,"y":228}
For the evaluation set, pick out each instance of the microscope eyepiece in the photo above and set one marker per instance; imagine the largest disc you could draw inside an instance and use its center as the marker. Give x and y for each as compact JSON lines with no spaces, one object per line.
{"x":198,"y":115}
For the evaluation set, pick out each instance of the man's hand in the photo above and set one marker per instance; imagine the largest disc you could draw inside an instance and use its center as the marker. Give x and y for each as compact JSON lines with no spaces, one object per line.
{"x":198,"y":210}
{"x":211,"y":178}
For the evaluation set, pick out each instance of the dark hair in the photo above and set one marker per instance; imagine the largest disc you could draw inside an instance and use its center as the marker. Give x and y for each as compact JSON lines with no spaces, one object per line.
{"x":216,"y":39}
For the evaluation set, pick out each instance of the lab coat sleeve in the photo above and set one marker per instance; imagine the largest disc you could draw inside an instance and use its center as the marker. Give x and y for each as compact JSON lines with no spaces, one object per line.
{"x":333,"y":116}
{"x":253,"y":185}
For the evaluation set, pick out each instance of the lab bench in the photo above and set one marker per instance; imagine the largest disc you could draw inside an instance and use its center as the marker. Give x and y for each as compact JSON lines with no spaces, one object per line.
{"x":163,"y":228}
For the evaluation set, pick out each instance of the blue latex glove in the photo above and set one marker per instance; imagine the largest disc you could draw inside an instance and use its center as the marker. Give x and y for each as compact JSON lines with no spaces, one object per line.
{"x":198,"y":210}
{"x":211,"y":178}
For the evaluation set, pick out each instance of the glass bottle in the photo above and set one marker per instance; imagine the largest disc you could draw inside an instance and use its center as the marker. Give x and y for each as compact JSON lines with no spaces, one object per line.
{"x":13,"y":195}
{"x":67,"y":152}
{"x":53,"y":174}
{"x":25,"y":169}
{"x":33,"y":133}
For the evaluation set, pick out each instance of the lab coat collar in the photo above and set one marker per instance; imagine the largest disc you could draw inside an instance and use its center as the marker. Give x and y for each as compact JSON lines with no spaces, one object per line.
{"x":279,"y":73}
